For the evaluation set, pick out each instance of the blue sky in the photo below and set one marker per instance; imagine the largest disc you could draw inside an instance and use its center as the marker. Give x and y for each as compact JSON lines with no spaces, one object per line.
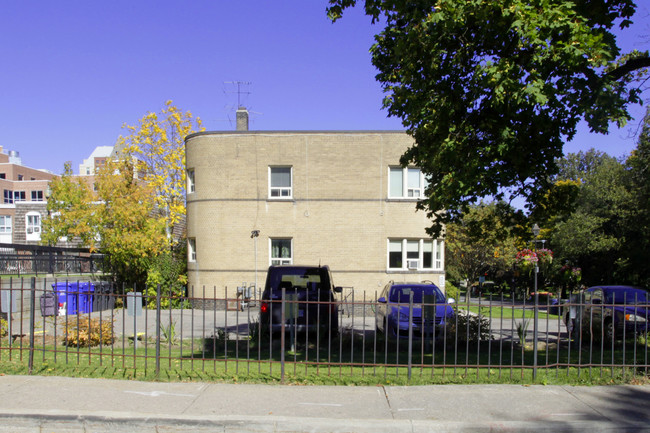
{"x":73,"y":72}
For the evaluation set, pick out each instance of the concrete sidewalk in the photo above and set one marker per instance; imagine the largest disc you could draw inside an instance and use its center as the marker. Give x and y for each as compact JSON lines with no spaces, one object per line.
{"x":59,"y":404}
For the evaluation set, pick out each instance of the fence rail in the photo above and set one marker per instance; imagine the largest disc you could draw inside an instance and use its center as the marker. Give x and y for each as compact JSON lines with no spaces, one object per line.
{"x":58,"y":323}
{"x":19,"y":259}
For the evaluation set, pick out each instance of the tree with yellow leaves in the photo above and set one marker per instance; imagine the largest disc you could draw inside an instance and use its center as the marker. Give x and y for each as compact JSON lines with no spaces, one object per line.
{"x":158,"y":142}
{"x":70,"y":208}
{"x":129,"y":231}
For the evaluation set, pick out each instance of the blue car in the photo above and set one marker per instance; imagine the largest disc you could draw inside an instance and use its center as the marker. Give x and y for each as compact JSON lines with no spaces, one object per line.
{"x":424,"y":303}
{"x":609,"y":313}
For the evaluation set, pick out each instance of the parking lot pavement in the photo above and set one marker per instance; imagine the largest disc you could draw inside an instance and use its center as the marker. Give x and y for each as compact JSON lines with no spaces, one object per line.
{"x":57,"y":404}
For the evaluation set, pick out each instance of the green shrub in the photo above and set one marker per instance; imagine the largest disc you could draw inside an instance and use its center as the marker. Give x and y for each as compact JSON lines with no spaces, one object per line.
{"x":452,"y":291}
{"x":4,"y":328}
{"x":169,"y":271}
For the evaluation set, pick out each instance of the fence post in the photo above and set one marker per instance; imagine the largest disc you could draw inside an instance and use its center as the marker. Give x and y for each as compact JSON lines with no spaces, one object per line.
{"x":281,"y":336}
{"x":158,"y":331}
{"x":32,"y":306}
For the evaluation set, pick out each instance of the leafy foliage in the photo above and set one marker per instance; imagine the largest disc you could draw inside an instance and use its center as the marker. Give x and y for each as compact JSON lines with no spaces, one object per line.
{"x":129,"y":232}
{"x":4,"y":328}
{"x":72,"y":209}
{"x":158,"y":142}
{"x":484,"y":240}
{"x":491,"y":90}
{"x":89,"y":332}
{"x":169,"y":272}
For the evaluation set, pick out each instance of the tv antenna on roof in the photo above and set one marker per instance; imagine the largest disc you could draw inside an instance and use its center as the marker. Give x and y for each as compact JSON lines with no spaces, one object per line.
{"x":240,"y":91}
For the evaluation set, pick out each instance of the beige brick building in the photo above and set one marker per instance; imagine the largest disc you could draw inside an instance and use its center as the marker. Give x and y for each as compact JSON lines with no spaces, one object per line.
{"x":331,"y":197}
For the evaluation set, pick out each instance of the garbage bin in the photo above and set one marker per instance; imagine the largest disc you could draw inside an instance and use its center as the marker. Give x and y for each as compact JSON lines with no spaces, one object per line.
{"x":84,"y":298}
{"x":49,"y":304}
{"x":74,"y":298}
{"x":66,"y":296}
{"x":103,"y":298}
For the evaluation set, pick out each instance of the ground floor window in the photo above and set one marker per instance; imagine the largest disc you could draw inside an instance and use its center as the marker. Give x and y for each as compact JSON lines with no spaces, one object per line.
{"x":33,"y":226}
{"x":5,"y":223}
{"x":415,"y":254}
{"x":281,"y":251}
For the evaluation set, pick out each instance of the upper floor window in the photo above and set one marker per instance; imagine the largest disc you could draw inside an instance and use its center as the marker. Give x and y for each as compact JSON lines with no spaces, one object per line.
{"x":5,"y":223}
{"x":33,"y":226}
{"x":37,"y":195}
{"x":415,"y":254}
{"x":281,"y":252}
{"x":191,"y":249}
{"x":8,"y":196}
{"x":19,"y":196}
{"x":406,"y":183}
{"x":190,"y":180}
{"x":280,"y":182}
{"x":20,"y":177}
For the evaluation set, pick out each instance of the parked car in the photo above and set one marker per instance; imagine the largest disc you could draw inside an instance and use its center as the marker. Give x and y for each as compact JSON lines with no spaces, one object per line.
{"x":310,"y":303}
{"x":609,"y":312}
{"x":430,"y":310}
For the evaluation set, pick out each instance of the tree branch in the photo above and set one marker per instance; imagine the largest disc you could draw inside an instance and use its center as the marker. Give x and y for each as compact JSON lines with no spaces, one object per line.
{"x":629,"y":66}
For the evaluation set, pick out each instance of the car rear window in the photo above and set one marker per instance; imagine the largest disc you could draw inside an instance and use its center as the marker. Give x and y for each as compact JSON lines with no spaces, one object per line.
{"x":401,"y":294}
{"x":299,"y":279}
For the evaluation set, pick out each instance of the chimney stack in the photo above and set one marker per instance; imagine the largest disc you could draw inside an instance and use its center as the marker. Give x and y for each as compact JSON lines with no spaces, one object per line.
{"x":242,"y":119}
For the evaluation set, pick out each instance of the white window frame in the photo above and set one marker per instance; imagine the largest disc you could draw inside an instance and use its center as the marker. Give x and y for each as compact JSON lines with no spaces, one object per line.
{"x":191,"y":249}
{"x":413,"y":254}
{"x":5,"y":224}
{"x":280,"y":260}
{"x":191,"y":186}
{"x":281,"y":192}
{"x":407,"y":191}
{"x":33,"y":227}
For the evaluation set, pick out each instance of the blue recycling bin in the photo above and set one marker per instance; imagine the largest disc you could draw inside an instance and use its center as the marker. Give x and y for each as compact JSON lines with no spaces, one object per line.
{"x":74,"y":298}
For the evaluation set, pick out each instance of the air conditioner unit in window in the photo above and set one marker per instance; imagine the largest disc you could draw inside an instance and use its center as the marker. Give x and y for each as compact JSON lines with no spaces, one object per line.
{"x":412,"y":264}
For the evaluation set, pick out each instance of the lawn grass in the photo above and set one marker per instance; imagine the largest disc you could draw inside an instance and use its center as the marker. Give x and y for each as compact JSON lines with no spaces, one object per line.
{"x":349,"y":360}
{"x":508,"y":312}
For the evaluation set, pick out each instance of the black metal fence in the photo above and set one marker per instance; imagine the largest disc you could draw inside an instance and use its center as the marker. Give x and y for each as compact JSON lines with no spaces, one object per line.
{"x":62,"y":323}
{"x":19,"y":259}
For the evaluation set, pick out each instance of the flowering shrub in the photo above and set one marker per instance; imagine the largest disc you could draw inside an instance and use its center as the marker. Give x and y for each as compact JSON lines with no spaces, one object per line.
{"x":571,"y":275}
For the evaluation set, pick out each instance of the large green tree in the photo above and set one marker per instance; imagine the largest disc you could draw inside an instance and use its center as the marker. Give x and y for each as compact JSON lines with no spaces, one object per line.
{"x":491,"y":90}
{"x":483,"y":240}
{"x":638,"y":224}
{"x":594,"y":236}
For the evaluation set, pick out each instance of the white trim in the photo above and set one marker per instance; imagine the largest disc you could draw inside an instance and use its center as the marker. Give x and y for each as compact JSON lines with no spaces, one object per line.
{"x":282,"y":193}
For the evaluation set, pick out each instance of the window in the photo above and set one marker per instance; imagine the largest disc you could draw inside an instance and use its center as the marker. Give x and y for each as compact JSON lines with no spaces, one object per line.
{"x":415,"y":254}
{"x":5,"y":223}
{"x":281,"y":252}
{"x":280,"y":182}
{"x":33,"y":226}
{"x":190,"y":180}
{"x":37,"y":195}
{"x":191,"y":249}
{"x":19,"y":196}
{"x":3,"y":175}
{"x":20,"y":177}
{"x":8,"y":196}
{"x":406,"y":183}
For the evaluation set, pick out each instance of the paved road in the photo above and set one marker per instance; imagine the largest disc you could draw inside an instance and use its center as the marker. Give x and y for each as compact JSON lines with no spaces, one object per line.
{"x":197,"y":323}
{"x":31,"y":404}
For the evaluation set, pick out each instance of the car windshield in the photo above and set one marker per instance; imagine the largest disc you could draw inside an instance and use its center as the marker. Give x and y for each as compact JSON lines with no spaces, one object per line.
{"x":627,"y":296}
{"x":402,"y":294}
